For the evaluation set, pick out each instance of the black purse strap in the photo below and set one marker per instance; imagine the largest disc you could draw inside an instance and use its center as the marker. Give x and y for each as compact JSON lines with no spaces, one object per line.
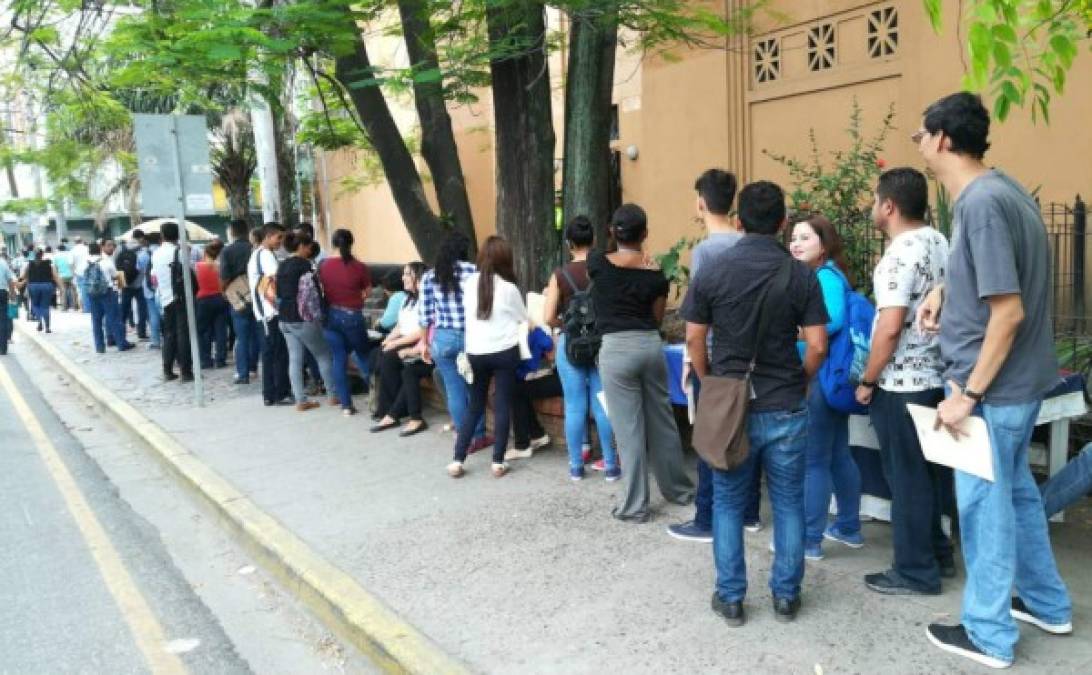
{"x":780,"y":282}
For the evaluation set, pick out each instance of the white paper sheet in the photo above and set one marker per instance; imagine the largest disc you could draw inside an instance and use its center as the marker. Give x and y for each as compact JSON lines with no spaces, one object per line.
{"x":536,"y":308}
{"x":970,"y":454}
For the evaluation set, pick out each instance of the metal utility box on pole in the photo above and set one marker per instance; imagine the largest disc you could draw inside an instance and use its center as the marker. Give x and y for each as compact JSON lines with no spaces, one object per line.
{"x":176,"y":180}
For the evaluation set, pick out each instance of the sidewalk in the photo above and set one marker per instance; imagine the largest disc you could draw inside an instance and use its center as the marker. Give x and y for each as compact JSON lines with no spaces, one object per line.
{"x":530,"y":573}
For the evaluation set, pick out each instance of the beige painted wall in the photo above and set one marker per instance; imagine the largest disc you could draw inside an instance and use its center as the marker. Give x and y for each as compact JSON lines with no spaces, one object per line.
{"x":683,"y":114}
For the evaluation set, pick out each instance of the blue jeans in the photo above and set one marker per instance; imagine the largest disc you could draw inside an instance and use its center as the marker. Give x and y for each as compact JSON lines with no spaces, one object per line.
{"x":41,"y":296}
{"x":106,"y":316}
{"x":447,"y":344}
{"x":155,"y":320}
{"x":829,"y":467}
{"x":778,"y":441}
{"x":248,"y":342}
{"x":347,"y":333}
{"x":140,"y":322}
{"x":1068,"y":485}
{"x":582,"y":387}
{"x":85,"y":299}
{"x":1005,"y":540}
{"x":5,"y":322}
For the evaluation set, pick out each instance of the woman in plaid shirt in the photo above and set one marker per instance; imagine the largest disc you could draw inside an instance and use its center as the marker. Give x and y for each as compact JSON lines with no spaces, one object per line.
{"x":441,"y":313}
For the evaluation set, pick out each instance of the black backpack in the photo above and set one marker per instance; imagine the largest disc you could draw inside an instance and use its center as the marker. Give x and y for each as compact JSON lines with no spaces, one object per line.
{"x":582,"y":338}
{"x":127,"y":265}
{"x":178,"y":284}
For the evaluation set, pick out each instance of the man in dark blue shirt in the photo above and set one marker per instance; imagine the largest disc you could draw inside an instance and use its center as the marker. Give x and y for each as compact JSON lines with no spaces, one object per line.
{"x":722,"y":296}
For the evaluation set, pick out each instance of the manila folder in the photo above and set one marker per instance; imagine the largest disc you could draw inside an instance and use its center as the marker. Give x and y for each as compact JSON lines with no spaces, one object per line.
{"x":970,"y":454}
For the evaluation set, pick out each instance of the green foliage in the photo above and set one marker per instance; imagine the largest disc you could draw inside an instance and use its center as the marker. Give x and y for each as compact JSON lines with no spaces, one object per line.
{"x":840,"y":186}
{"x":678,"y":274}
{"x":1020,"y":51}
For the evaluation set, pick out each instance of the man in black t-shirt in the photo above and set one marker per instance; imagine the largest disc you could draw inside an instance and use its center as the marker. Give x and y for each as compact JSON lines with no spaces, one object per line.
{"x":722,"y":296}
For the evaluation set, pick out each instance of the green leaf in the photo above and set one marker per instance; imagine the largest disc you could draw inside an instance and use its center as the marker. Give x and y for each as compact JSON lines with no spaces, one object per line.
{"x":1004,"y":32}
{"x":1002,"y":59}
{"x":933,"y":9}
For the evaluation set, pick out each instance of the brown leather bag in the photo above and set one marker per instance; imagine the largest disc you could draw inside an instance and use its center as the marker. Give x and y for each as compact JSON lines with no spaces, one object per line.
{"x":720,"y":425}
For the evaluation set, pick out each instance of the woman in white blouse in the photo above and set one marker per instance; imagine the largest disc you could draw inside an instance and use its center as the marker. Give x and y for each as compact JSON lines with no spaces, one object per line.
{"x":494,"y":310}
{"x":401,"y":364}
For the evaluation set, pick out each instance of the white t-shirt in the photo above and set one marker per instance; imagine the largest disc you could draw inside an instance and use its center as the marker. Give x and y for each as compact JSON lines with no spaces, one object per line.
{"x":106,"y":264}
{"x":407,"y":320}
{"x":79,"y":259}
{"x":913,"y":263}
{"x":263,"y":310}
{"x":501,"y":330}
{"x":161,"y":270}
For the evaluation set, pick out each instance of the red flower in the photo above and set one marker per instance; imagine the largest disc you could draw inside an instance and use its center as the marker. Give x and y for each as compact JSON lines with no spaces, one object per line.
{"x":880,"y":163}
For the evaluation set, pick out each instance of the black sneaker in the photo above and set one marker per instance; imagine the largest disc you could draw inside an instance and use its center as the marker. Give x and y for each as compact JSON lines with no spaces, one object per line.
{"x":954,"y":639}
{"x":691,"y":531}
{"x":889,"y":584}
{"x":785,"y":609}
{"x":187,"y":377}
{"x":947,"y":569}
{"x":731,"y":612}
{"x":167,"y":377}
{"x":1021,"y":612}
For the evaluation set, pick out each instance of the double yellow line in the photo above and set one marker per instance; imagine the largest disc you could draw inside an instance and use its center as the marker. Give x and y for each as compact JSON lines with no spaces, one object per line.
{"x":146,"y":629}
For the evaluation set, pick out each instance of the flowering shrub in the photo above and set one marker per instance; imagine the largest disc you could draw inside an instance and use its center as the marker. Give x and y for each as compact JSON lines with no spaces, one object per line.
{"x":840,"y":185}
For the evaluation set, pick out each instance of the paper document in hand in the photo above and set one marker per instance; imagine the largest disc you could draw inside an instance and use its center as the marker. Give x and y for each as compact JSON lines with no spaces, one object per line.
{"x":970,"y":454}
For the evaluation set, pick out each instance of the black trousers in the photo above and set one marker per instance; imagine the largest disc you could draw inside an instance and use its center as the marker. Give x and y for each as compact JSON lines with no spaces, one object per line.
{"x":275,"y":385}
{"x":917,"y":489}
{"x":501,"y":368}
{"x":176,"y":338}
{"x":400,"y":385}
{"x":525,"y":424}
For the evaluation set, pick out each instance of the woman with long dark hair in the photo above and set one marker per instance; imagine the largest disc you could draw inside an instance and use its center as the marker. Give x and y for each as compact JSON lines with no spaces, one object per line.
{"x":301,"y":335}
{"x":346,"y":283}
{"x":581,"y":383}
{"x":41,"y":281}
{"x":402,"y":364}
{"x":441,"y":313}
{"x":494,"y":311}
{"x":630,"y":295}
{"x":213,"y":311}
{"x":829,"y":463}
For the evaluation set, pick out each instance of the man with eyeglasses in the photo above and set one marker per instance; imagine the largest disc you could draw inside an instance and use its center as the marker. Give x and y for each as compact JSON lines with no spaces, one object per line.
{"x":998,"y":348}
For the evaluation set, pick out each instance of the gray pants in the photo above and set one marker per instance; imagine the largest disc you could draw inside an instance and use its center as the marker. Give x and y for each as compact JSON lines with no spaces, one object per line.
{"x":631,"y":364}
{"x":300,"y":336}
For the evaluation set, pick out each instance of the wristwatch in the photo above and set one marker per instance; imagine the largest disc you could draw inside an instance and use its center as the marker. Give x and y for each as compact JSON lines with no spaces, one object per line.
{"x":867,"y":383}
{"x":974,"y":395}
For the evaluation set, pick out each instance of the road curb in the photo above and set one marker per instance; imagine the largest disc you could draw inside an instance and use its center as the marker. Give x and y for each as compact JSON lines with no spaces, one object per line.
{"x":341,"y":603}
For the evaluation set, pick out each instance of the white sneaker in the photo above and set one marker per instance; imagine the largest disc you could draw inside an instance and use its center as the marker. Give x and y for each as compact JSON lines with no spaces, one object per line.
{"x":542,"y":442}
{"x":526,"y":453}
{"x":455,"y":469}
{"x":499,"y":470}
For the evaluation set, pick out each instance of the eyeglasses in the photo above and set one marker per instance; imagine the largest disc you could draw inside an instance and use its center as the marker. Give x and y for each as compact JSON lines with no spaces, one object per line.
{"x":918,"y":135}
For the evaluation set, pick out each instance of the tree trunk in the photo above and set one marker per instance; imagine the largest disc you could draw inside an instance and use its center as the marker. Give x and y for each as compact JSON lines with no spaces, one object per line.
{"x":525,"y":141}
{"x":425,"y":228}
{"x":239,"y":201}
{"x":437,"y":138}
{"x":586,"y":172}
{"x":284,"y":149}
{"x":265,"y":149}
{"x":133,"y":201}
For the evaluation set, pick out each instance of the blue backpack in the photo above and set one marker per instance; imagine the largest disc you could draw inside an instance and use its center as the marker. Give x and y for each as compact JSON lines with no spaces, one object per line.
{"x":848,"y":352}
{"x":97,"y":283}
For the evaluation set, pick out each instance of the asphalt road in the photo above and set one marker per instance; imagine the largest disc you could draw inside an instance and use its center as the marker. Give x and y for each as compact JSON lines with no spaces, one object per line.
{"x":88,"y":585}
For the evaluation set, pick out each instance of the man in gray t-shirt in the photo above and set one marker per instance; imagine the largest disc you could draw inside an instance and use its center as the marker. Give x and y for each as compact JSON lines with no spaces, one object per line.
{"x":999,"y":247}
{"x":995,"y":339}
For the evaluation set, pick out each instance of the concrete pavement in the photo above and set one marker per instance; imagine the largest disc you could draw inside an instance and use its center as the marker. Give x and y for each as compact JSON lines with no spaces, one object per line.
{"x":530,"y":573}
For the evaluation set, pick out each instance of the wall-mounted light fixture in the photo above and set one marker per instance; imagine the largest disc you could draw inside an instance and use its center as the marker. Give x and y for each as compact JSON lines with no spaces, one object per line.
{"x":632,"y":152}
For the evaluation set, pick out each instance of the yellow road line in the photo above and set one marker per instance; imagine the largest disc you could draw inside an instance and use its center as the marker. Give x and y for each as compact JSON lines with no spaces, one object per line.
{"x":134,"y":608}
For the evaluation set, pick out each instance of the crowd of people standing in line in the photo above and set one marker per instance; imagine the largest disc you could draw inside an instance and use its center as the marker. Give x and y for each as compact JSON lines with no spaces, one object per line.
{"x":756,"y":310}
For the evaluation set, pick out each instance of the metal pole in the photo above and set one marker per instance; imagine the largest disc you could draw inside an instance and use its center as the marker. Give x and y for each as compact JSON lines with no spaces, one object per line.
{"x":1080,"y":223}
{"x":184,"y":258}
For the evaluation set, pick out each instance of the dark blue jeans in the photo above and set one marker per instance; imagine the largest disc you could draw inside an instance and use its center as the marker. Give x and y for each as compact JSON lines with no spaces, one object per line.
{"x":5,"y":322}
{"x":248,"y":342}
{"x":778,"y":441}
{"x":128,"y":297}
{"x":41,"y":296}
{"x":106,"y":316}
{"x":212,"y":319}
{"x":347,"y":334}
{"x":917,"y":489}
{"x":830,"y":468}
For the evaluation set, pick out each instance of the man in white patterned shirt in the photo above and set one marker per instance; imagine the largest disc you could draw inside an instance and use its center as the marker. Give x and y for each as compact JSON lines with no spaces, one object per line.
{"x":904,"y":366}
